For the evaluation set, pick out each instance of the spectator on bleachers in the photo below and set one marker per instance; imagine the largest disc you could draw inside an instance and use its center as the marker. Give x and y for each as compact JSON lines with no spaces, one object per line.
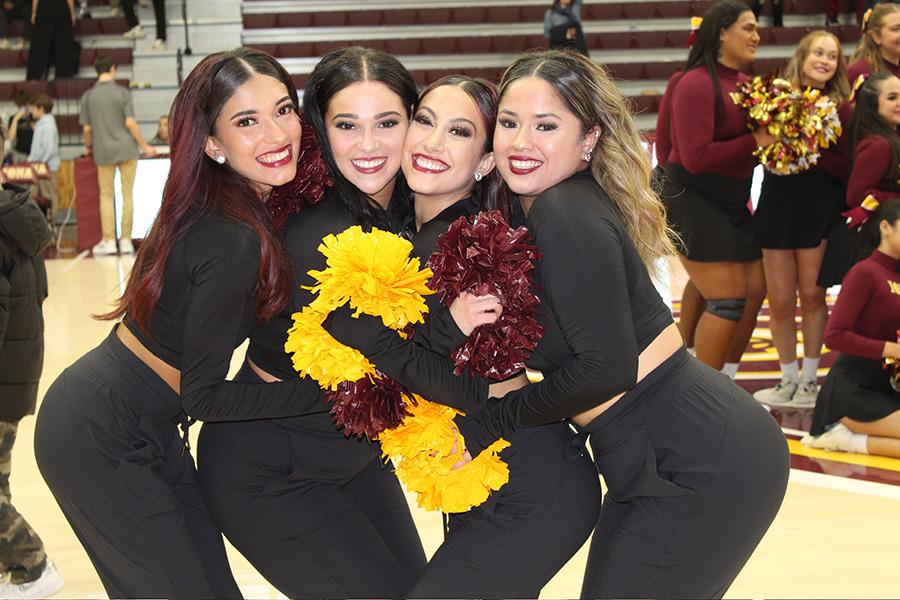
{"x":53,"y":32}
{"x":162,"y":132}
{"x":114,"y":138}
{"x":858,"y":409}
{"x":24,"y":233}
{"x":709,"y":175}
{"x":21,"y":128}
{"x":45,"y":145}
{"x":879,"y":47}
{"x":14,"y":10}
{"x":795,"y":215}
{"x":562,"y":26}
{"x":777,"y":11}
{"x":136,"y":31}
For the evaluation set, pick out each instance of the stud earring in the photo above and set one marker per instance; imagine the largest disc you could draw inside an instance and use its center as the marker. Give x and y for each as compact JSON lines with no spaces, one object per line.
{"x":587,"y":157}
{"x":478,"y":176}
{"x":220,"y":159}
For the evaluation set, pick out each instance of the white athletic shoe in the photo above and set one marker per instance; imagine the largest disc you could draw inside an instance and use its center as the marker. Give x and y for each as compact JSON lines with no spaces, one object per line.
{"x":125,"y":246}
{"x":135,"y":33}
{"x":4,"y":43}
{"x":105,"y":248}
{"x":805,"y":396}
{"x":837,"y":439}
{"x":49,"y":583}
{"x":780,"y":395}
{"x":157,"y":46}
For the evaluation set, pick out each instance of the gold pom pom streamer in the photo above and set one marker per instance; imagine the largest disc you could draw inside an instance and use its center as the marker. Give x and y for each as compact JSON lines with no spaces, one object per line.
{"x":802,"y":121}
{"x":373,"y":272}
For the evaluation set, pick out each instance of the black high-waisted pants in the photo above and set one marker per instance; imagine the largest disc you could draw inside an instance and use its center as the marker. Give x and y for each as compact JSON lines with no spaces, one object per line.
{"x":107,"y":444}
{"x":514,"y":543}
{"x":696,"y":471}
{"x":319,"y":515}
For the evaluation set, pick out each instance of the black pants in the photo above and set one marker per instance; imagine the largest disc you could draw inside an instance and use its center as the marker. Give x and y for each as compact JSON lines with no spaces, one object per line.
{"x":696,"y":471}
{"x":107,"y":444}
{"x":159,"y":13}
{"x":21,"y":13}
{"x":513,"y":544}
{"x":52,"y":43}
{"x":316,"y":513}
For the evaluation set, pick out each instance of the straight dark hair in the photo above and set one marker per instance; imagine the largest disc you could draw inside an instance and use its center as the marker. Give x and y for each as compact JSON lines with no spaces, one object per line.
{"x":867,"y":122}
{"x":335,"y":72}
{"x":705,"y":51}
{"x":197,"y":186}
{"x":870,"y":237}
{"x":490,"y":192}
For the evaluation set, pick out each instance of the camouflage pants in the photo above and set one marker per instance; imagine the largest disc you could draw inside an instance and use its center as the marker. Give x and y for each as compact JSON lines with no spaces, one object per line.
{"x":21,"y":550}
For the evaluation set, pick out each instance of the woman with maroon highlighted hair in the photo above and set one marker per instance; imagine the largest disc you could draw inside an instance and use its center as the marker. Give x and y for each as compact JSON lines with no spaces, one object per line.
{"x":107,"y":439}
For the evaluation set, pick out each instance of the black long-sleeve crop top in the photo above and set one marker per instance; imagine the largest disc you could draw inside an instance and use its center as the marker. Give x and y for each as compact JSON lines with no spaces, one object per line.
{"x":206,"y":310}
{"x":414,"y":366}
{"x":599,"y":309}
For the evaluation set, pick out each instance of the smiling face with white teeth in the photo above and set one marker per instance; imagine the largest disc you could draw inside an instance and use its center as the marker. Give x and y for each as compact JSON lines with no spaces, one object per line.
{"x":821,"y":62}
{"x":258,"y":133}
{"x":366,"y":124}
{"x":444,"y":147}
{"x":538,"y":141}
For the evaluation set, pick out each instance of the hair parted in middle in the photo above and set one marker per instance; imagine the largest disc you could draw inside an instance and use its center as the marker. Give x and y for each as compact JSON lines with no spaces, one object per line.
{"x":619,"y":163}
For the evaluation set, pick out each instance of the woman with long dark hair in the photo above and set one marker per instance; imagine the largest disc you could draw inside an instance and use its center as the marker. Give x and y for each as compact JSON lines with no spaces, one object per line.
{"x":107,"y":439}
{"x":794,"y":217}
{"x":874,"y":170}
{"x":858,"y":409}
{"x":318,"y":513}
{"x":709,"y":171}
{"x":681,"y":448}
{"x":514,"y":543}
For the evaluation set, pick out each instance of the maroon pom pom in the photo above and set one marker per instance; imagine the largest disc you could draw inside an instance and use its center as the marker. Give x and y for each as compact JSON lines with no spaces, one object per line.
{"x":487,"y":256}
{"x":368,"y":406}
{"x":308,"y":185}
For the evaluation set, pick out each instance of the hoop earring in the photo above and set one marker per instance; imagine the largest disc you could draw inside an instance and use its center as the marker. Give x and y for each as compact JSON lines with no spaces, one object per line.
{"x":478,"y":176}
{"x":220,"y":159}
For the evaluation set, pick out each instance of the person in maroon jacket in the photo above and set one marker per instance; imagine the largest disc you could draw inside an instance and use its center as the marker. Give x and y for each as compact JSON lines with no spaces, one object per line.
{"x":874,"y":170}
{"x":709,"y":171}
{"x":794,"y":216}
{"x":879,"y":48}
{"x":858,"y":409}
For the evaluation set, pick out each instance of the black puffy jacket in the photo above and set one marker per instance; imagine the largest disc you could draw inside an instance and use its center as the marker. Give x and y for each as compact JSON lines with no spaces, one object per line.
{"x":24,"y":234}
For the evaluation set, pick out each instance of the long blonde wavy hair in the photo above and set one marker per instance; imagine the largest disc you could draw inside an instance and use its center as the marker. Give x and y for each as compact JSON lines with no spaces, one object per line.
{"x":619,"y":162}
{"x":867,"y":47}
{"x":837,"y":88}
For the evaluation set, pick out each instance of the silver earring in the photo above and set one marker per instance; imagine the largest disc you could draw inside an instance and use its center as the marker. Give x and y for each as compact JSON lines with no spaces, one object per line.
{"x":478,"y":176}
{"x":220,"y":159}
{"x":587,"y":157}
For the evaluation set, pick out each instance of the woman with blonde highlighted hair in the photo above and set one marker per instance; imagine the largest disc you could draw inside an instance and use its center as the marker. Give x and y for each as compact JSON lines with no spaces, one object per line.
{"x":794,"y":217}
{"x":681,"y":448}
{"x":879,"y":48}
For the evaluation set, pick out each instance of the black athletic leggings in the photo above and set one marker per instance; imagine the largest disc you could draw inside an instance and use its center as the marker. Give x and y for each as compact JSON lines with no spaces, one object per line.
{"x":108,"y":445}
{"x":696,"y":471}
{"x":319,"y":515}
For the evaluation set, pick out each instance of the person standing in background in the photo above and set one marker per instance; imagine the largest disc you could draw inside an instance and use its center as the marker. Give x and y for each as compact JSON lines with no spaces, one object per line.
{"x":24,"y":234}
{"x":562,"y":26}
{"x":21,"y":128}
{"x":136,"y":31}
{"x":11,"y":10}
{"x":114,"y":139}
{"x":53,"y":39}
{"x":45,"y":145}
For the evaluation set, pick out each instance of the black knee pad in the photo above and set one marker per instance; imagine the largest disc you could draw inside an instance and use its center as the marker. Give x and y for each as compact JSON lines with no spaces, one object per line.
{"x":729,"y":308}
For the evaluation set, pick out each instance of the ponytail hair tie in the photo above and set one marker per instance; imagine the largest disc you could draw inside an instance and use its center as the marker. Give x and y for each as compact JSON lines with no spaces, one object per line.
{"x":856,"y":85}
